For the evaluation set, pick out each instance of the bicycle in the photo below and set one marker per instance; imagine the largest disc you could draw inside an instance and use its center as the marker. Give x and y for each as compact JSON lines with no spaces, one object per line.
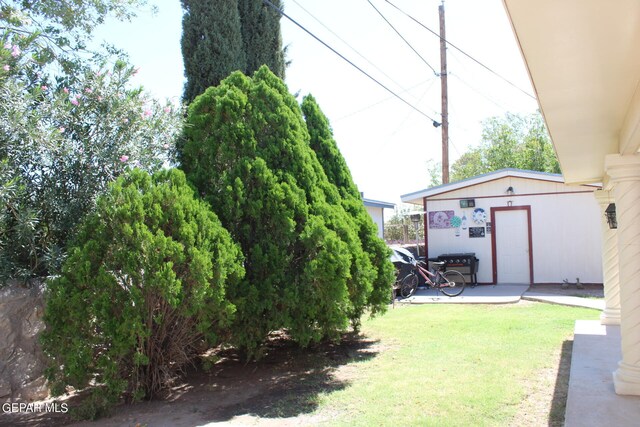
{"x":451,"y":283}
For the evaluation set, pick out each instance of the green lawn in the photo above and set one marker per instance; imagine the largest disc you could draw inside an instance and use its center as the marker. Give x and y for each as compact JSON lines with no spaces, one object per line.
{"x":452,"y":365}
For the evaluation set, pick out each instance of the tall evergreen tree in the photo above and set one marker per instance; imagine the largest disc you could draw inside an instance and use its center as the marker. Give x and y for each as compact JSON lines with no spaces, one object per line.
{"x":246,"y":150}
{"x":261,"y":36}
{"x":337,"y":171}
{"x":211,"y":42}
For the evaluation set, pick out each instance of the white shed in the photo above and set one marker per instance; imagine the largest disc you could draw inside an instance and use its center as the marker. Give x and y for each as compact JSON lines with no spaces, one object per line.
{"x":376,"y":211}
{"x":523,"y":226}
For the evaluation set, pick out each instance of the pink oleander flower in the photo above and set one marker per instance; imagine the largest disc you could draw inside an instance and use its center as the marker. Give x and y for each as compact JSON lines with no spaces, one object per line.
{"x":99,"y":98}
{"x":65,"y":90}
{"x":166,"y":146}
{"x":147,"y":113}
{"x":6,"y":68}
{"x":61,"y":129}
{"x":15,"y":51}
{"x":88,"y":90}
{"x":7,"y":45}
{"x":74,"y":101}
{"x":167,"y":109}
{"x":124,"y":158}
{"x":44,"y":87}
{"x":125,"y":121}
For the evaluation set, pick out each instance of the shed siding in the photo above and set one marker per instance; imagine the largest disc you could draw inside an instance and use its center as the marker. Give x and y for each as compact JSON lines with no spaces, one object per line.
{"x":565,"y":220}
{"x":377,"y":214}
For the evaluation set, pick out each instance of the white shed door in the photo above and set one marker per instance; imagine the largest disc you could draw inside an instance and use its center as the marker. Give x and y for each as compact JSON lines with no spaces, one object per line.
{"x":512,"y":246}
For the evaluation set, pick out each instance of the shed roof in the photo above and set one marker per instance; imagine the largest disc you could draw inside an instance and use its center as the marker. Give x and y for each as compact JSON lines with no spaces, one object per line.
{"x":416,"y":197}
{"x":378,"y":204}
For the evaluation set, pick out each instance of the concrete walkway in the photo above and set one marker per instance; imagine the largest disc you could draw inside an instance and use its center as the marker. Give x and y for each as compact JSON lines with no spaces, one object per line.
{"x":499,"y":294}
{"x":481,"y":294}
{"x":592,"y":400}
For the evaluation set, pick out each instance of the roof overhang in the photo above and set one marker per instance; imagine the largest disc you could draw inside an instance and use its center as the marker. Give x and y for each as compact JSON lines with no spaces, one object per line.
{"x":417,"y":197}
{"x":378,"y":204}
{"x":582,"y":58}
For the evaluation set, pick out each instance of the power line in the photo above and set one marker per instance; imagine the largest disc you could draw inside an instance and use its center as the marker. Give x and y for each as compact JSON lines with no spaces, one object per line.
{"x":460,"y":50}
{"x":348,"y":45}
{"x":281,"y":12}
{"x":400,"y":35}
{"x":432,"y":80}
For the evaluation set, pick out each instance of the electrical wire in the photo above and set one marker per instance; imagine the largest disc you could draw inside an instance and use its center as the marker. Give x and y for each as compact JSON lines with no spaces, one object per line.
{"x":432,"y":80}
{"x":405,"y":40}
{"x":349,"y":46}
{"x":460,"y":50}
{"x":281,"y":12}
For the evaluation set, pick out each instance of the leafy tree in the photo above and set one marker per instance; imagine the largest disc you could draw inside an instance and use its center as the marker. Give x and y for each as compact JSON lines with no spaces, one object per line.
{"x":212,"y":45}
{"x":142,"y":292}
{"x":246,"y":150}
{"x":261,"y":37}
{"x":335,"y":167}
{"x":512,"y":141}
{"x":59,"y":29}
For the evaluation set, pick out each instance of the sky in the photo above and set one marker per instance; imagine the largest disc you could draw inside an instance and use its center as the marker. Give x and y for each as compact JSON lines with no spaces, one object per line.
{"x":387,"y":144}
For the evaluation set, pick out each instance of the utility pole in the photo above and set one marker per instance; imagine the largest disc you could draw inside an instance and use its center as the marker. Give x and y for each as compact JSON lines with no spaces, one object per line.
{"x":445,"y":102}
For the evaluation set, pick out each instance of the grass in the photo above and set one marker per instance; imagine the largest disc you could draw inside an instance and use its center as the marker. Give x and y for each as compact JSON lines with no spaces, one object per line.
{"x":453,"y":365}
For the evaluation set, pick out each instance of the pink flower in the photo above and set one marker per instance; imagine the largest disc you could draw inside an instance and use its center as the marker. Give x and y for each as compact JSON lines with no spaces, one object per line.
{"x":167,"y":109}
{"x":74,"y":101}
{"x":65,"y":90}
{"x":88,"y":90}
{"x":15,"y":51}
{"x":7,"y":45}
{"x":124,"y":158}
{"x":61,"y":129}
{"x":147,"y":113}
{"x":125,"y":121}
{"x":136,"y":71}
{"x":99,"y":98}
{"x":166,"y":146}
{"x":6,"y":68}
{"x":43,"y":87}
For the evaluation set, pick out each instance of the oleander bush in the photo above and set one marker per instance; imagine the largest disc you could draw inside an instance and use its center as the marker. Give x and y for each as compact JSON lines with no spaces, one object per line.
{"x":143,"y":291}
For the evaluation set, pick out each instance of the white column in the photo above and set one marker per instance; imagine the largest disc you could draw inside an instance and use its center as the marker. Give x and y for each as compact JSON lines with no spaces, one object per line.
{"x":624,"y":171}
{"x":611,"y":312}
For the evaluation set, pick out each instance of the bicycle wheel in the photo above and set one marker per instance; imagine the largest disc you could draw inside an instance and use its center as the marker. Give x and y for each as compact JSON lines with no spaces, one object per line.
{"x":408,"y":286}
{"x":452,"y":283}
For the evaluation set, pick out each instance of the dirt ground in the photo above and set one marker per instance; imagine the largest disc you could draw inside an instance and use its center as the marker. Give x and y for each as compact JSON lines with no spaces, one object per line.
{"x":279,"y":390}
{"x":282,"y":388}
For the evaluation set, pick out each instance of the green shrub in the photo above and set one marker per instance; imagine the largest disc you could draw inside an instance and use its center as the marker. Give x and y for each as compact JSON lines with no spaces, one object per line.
{"x":142,"y":291}
{"x":338,"y":174}
{"x":246,"y":149}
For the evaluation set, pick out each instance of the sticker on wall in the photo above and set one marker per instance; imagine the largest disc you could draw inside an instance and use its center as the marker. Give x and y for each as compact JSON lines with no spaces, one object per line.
{"x":455,"y":223}
{"x":464,"y":221}
{"x":479,"y":216}
{"x":476,"y":232}
{"x":488,"y":228}
{"x":440,"y":219}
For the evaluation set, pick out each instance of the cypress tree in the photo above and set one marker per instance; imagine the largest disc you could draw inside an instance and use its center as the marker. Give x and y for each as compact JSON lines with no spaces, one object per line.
{"x":335,"y":167}
{"x":261,"y":37}
{"x":246,"y":150}
{"x":211,"y":43}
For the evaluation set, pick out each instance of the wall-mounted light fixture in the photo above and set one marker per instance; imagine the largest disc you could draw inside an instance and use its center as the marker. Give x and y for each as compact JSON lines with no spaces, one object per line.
{"x":610,"y":214}
{"x":510,"y":191}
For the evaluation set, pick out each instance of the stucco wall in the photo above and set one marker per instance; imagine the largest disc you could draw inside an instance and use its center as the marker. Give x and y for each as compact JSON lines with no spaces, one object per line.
{"x":566,"y":236}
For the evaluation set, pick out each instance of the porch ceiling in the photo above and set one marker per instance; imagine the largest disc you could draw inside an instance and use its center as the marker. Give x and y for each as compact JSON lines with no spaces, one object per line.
{"x":582,"y":57}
